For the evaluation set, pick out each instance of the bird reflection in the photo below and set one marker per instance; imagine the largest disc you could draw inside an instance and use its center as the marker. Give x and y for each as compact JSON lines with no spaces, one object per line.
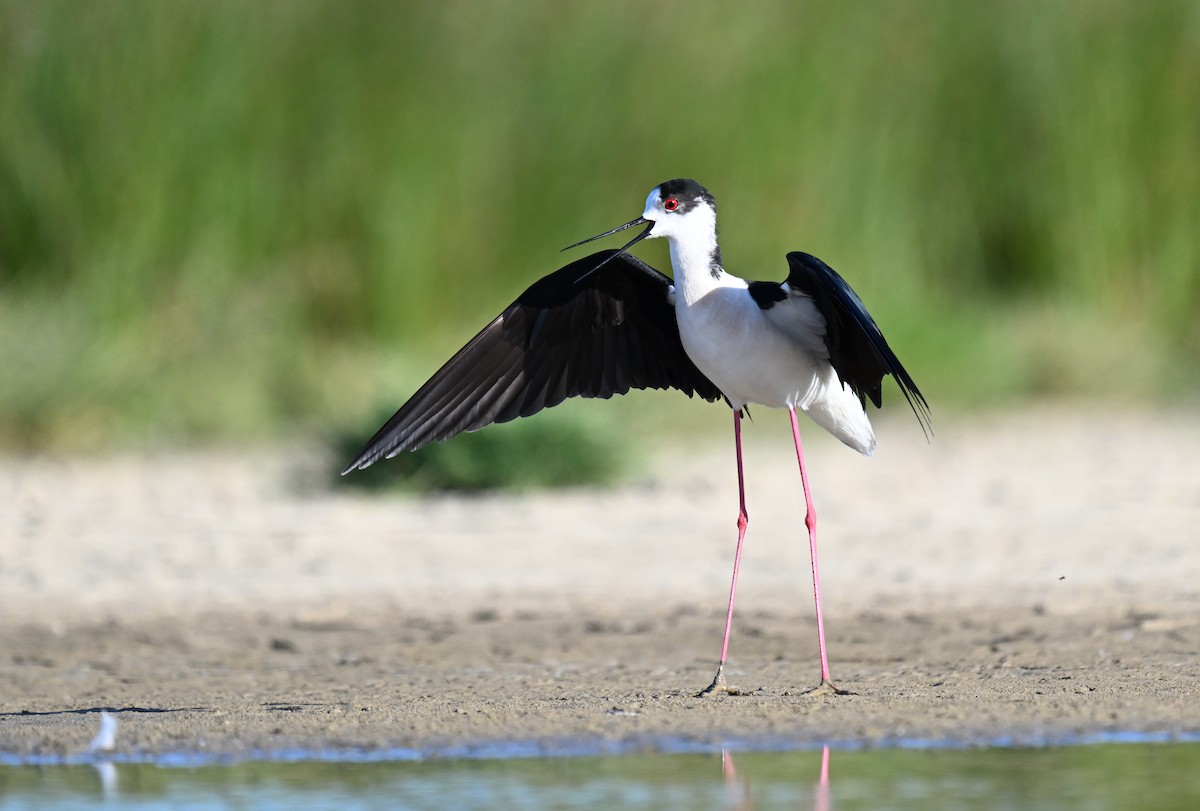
{"x":737,"y":790}
{"x":821,"y":792}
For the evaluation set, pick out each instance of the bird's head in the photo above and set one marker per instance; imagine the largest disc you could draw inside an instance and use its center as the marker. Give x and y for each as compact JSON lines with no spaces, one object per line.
{"x":677,"y":209}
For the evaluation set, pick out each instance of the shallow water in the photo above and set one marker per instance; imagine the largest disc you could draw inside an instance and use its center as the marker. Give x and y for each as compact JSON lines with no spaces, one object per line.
{"x":1105,"y":776}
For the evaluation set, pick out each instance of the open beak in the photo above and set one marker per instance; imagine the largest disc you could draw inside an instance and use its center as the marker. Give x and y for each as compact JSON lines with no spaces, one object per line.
{"x":625,"y":247}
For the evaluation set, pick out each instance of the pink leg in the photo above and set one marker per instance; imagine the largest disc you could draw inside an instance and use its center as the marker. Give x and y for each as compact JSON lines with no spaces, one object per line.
{"x":718,"y":684}
{"x":810,"y":521}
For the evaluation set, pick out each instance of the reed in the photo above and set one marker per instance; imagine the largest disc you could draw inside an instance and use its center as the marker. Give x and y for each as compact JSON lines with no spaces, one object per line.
{"x":222,"y":220}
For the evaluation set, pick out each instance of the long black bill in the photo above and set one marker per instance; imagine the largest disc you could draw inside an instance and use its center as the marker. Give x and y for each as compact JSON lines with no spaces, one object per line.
{"x":625,"y":247}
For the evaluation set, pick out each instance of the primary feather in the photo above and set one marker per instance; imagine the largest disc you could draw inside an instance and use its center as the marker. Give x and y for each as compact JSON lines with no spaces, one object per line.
{"x":579,"y":332}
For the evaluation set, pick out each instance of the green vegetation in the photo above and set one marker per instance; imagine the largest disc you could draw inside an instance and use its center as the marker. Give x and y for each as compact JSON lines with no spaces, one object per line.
{"x":230,"y":221}
{"x":556,"y":450}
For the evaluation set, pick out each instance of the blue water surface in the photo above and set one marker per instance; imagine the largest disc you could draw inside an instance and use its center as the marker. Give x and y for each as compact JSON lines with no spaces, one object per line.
{"x":1138,"y":773}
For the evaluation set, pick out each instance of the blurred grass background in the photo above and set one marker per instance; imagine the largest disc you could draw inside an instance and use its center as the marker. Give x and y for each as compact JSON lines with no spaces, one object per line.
{"x":230,"y":221}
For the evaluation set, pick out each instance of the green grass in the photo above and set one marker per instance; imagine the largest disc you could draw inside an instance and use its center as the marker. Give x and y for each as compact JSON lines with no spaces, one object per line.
{"x":556,"y":450}
{"x":223,"y":221}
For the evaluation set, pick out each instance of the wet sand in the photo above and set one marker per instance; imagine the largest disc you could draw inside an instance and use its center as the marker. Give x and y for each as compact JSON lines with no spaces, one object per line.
{"x":1034,"y":576}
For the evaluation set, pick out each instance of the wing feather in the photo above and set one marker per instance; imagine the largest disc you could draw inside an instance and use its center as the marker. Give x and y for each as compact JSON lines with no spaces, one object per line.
{"x":579,"y":332}
{"x":857,"y":349}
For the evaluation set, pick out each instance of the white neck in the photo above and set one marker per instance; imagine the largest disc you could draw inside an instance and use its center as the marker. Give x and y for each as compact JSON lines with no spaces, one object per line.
{"x":693,"y":248}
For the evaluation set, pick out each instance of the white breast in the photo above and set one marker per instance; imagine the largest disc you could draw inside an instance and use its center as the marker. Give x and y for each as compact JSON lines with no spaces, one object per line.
{"x":753,"y":360}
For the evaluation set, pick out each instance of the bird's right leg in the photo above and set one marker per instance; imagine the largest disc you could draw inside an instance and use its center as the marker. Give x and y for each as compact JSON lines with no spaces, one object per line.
{"x":810,"y":521}
{"x":718,"y":683}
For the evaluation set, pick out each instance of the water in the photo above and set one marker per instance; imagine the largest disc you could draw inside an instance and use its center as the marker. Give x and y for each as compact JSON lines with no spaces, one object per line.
{"x":1104,"y":776}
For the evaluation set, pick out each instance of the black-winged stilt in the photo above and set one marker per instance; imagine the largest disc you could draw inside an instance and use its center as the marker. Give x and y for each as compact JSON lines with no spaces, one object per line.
{"x":609,"y":323}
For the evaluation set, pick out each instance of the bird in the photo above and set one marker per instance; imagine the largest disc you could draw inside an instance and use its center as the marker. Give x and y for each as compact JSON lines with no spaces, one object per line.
{"x":608,"y":323}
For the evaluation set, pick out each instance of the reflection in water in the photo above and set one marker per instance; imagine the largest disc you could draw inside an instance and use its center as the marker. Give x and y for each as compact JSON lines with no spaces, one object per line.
{"x":1113,"y":777}
{"x":737,"y":791}
{"x":107,"y":772}
{"x":821,"y":795}
{"x":103,"y":746}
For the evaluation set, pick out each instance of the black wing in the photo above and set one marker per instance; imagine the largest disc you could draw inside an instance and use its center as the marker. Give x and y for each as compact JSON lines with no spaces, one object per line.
{"x":579,"y":332}
{"x":857,"y":349}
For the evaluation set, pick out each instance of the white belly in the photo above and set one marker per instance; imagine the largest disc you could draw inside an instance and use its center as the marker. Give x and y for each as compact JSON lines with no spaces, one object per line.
{"x":751,"y":361}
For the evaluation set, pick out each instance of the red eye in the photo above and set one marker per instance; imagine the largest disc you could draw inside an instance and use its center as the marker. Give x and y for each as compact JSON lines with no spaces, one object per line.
{"x":670,"y":204}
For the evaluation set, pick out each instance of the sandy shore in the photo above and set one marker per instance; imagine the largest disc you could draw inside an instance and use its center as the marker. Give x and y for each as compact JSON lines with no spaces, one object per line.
{"x":1031,"y":575}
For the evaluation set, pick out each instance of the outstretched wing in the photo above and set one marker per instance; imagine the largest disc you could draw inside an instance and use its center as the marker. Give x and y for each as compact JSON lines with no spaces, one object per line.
{"x":579,"y":332}
{"x":857,"y":349}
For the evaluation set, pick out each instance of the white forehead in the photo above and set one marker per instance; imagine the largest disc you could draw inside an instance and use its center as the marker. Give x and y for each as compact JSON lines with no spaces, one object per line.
{"x":652,"y":201}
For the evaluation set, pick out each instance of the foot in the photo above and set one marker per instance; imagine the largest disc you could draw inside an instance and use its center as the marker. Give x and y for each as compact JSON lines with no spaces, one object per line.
{"x":827,"y":688}
{"x":720,"y":686}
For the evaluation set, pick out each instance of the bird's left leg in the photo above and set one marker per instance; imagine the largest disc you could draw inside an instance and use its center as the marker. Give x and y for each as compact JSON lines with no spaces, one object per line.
{"x":718,"y":683}
{"x":810,"y":521}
